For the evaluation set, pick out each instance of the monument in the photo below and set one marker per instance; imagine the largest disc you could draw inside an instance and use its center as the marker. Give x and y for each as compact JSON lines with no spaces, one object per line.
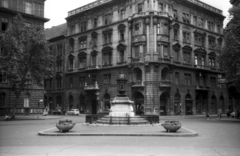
{"x":121,"y":106}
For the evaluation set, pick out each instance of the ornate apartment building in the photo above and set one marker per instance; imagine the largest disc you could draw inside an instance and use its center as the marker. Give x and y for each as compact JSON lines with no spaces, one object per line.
{"x":165,"y":48}
{"x":33,"y":12}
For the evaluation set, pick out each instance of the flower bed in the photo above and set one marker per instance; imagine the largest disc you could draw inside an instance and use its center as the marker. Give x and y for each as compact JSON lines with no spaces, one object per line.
{"x":65,"y":125}
{"x":171,"y":126}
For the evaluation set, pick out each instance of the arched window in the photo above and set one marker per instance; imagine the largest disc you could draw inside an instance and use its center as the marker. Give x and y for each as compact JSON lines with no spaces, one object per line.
{"x":70,"y":60}
{"x":71,"y":45}
{"x":165,"y":74}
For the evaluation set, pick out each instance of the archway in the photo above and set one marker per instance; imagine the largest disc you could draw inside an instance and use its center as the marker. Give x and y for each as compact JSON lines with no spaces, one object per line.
{"x":50,"y":103}
{"x":82,"y":103}
{"x":106,"y":100}
{"x":139,"y":102}
{"x":70,"y":99}
{"x":201,"y":103}
{"x":214,"y":104}
{"x":177,"y":104}
{"x":222,"y":104}
{"x":163,"y":103}
{"x":188,"y":103}
{"x":59,"y":102}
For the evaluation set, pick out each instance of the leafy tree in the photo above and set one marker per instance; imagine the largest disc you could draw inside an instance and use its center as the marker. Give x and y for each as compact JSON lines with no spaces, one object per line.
{"x":230,"y":53}
{"x":25,"y":57}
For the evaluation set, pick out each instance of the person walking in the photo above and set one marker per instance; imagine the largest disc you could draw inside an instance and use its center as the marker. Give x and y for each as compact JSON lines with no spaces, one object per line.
{"x":220,"y":113}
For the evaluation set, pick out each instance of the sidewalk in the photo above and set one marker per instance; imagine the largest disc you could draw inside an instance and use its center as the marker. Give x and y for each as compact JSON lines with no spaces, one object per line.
{"x":34,"y":117}
{"x":116,"y":130}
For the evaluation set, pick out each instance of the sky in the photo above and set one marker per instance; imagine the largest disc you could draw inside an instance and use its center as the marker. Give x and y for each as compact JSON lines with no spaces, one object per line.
{"x":57,"y":10}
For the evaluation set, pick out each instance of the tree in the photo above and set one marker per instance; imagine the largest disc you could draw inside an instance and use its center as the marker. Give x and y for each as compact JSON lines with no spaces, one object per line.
{"x":230,"y":54}
{"x":25,"y":57}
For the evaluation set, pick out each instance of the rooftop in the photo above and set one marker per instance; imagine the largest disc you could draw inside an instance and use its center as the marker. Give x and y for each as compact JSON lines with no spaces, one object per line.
{"x":56,"y":31}
{"x":101,"y":2}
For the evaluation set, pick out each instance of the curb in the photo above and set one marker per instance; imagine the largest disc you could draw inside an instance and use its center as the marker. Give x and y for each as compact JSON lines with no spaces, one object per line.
{"x":191,"y":134}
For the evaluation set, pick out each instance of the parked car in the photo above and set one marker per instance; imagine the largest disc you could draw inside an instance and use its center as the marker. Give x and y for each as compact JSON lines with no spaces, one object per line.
{"x":73,"y":112}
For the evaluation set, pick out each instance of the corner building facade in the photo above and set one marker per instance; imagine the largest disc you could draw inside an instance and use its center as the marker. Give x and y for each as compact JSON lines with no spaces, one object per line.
{"x":167,"y":50}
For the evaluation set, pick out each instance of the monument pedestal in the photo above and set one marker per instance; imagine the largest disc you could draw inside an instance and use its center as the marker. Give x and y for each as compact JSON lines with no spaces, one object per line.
{"x":121,"y":107}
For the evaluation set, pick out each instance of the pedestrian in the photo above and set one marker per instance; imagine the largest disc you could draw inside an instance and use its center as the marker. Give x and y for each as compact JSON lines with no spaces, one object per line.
{"x":219,"y":113}
{"x":228,"y":113}
{"x":207,"y":115}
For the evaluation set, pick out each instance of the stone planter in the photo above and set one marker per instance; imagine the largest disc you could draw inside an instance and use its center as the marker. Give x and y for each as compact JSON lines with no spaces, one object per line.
{"x":172,"y":126}
{"x":65,"y":125}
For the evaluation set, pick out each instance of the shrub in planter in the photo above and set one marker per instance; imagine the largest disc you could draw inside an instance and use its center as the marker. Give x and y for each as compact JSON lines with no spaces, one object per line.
{"x":65,"y":125}
{"x":171,"y":126}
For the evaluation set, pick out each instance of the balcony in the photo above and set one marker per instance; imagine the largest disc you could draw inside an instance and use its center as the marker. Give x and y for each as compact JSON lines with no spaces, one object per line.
{"x":91,"y":87}
{"x":202,"y":88}
{"x":165,"y":60}
{"x":137,"y":84}
{"x":165,"y":84}
{"x":203,"y":67}
{"x":54,"y":90}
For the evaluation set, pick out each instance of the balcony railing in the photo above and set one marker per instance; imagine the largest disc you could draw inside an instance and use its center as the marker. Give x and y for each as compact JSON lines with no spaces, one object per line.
{"x":91,"y":87}
{"x":199,"y":87}
{"x":138,"y":84}
{"x":165,"y":83}
{"x":206,"y":6}
{"x":54,"y":90}
{"x":88,"y":6}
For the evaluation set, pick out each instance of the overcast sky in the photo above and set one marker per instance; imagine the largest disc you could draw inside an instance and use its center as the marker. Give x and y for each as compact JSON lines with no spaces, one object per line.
{"x":56,"y":10}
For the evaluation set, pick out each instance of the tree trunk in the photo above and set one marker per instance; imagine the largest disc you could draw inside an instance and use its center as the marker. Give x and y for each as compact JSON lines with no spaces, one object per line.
{"x":15,"y":105}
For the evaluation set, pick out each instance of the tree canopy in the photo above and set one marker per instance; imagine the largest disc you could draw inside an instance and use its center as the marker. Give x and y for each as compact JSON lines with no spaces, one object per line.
{"x":230,"y":53}
{"x":25,"y":55}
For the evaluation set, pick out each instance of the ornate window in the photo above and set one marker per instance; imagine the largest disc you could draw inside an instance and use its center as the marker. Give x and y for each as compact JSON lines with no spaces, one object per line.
{"x":71,"y":45}
{"x":187,"y":54}
{"x":200,"y":55}
{"x":107,"y":58}
{"x":82,"y":81}
{"x":121,"y":53}
{"x":82,"y":42}
{"x":199,"y":38}
{"x":212,"y":61}
{"x":140,"y":7}
{"x":4,"y":24}
{"x":108,"y":18}
{"x":176,"y":49}
{"x":186,"y":18}
{"x":175,"y":14}
{"x":186,"y":37}
{"x":95,"y":22}
{"x":107,"y":36}
{"x":94,"y":39}
{"x":121,"y":29}
{"x":187,"y":78}
{"x":107,"y":79}
{"x":122,"y":14}
{"x":3,"y":77}
{"x":70,"y":62}
{"x":82,"y":60}
{"x":210,"y":26}
{"x":94,"y":59}
{"x":211,"y":42}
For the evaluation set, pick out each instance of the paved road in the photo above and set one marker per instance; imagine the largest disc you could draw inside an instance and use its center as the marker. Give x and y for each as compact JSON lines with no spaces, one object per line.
{"x":216,"y":138}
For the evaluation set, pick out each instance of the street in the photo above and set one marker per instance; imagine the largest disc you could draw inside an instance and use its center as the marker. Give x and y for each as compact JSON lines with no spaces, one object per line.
{"x":215,"y":138}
